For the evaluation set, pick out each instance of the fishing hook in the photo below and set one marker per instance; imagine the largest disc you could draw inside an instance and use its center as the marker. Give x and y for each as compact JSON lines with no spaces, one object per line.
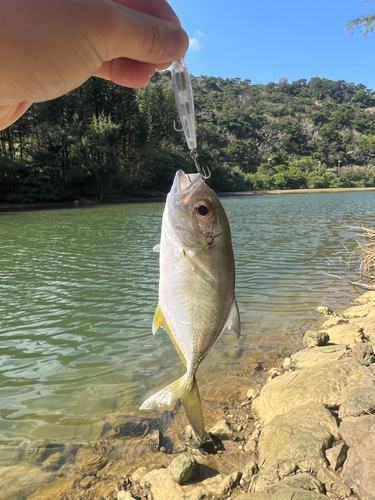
{"x":205,"y":172}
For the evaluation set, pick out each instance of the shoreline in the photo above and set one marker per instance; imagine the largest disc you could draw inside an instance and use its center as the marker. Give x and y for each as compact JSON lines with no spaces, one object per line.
{"x":307,"y":433}
{"x":19,"y":207}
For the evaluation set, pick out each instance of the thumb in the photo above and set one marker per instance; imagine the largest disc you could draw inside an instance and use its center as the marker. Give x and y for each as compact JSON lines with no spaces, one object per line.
{"x":143,"y":38}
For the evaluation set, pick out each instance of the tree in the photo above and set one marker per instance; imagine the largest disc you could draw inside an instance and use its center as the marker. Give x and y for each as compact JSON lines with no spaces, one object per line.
{"x":365,"y":24}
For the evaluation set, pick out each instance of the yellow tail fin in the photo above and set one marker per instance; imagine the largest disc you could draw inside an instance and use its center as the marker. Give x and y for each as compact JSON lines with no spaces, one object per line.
{"x":186,"y":390}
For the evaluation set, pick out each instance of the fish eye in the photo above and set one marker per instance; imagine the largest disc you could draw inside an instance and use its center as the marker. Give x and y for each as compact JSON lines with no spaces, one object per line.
{"x":203,"y":210}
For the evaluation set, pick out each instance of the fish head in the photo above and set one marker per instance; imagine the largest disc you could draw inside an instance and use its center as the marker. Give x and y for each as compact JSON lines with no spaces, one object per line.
{"x":194,"y":216}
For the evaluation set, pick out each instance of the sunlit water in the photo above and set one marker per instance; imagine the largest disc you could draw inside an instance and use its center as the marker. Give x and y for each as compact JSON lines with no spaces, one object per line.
{"x":78,"y":288}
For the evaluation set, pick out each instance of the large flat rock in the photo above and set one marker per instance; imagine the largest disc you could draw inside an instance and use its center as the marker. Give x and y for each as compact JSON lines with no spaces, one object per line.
{"x":318,"y":355}
{"x":359,"y":468}
{"x":296,"y":439}
{"x":345,"y":334}
{"x":325,"y":384}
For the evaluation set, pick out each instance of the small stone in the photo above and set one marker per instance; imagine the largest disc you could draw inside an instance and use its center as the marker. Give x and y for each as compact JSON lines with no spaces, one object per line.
{"x":222,"y":431}
{"x":183,"y":468}
{"x":363,"y":353}
{"x":333,"y":483}
{"x":139,"y":473}
{"x":250,"y":446}
{"x":53,"y":462}
{"x":252,"y":393}
{"x":249,"y":470}
{"x":336,"y":456}
{"x":124,"y":495}
{"x":87,"y":481}
{"x":360,"y":401}
{"x":358,"y":339}
{"x":162,"y":449}
{"x":154,"y":440}
{"x":255,"y":435}
{"x":287,"y":363}
{"x":228,"y":484}
{"x":313,"y":338}
{"x":324,"y":310}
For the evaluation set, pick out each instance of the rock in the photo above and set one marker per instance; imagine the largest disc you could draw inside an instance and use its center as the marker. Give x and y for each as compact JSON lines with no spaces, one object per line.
{"x":326,"y":384}
{"x":358,"y":470}
{"x":313,"y":338}
{"x":124,"y":495}
{"x":363,"y":353}
{"x":222,"y":431}
{"x":287,"y":364}
{"x":139,"y":473}
{"x":188,"y":436}
{"x":53,"y":462}
{"x":365,"y":298}
{"x":249,"y":470}
{"x":253,"y":496}
{"x":162,"y":485}
{"x":346,"y":334}
{"x":288,"y":493}
{"x":324,"y":310}
{"x":20,"y":481}
{"x":318,"y":355}
{"x":336,"y":456}
{"x":227,"y":484}
{"x":332,"y":321}
{"x":154,"y":440}
{"x":357,"y":311}
{"x":358,"y":402}
{"x":90,"y":459}
{"x":253,"y":393}
{"x":87,"y":482}
{"x":302,"y":481}
{"x":250,"y":446}
{"x":367,"y":325}
{"x":296,"y":439}
{"x":333,"y":483}
{"x":183,"y":468}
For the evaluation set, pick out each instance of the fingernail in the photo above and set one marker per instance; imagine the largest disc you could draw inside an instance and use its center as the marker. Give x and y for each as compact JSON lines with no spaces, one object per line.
{"x":180,"y":43}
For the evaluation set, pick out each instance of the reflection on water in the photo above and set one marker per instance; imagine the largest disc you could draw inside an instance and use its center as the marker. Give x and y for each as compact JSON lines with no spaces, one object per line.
{"x":78,"y":290}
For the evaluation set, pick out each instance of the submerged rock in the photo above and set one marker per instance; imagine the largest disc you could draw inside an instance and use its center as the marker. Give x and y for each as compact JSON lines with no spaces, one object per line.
{"x":325,"y":384}
{"x":296,"y":439}
{"x":358,"y":471}
{"x":358,"y":402}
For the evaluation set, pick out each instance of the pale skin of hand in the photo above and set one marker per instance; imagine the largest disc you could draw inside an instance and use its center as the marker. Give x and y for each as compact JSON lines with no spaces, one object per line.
{"x":50,"y":47}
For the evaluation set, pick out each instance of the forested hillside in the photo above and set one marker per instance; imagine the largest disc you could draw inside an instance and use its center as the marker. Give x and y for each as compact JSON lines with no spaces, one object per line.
{"x":107,"y":142}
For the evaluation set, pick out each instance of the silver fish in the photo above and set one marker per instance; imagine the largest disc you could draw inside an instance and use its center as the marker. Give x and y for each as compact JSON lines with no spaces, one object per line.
{"x":196,"y":288}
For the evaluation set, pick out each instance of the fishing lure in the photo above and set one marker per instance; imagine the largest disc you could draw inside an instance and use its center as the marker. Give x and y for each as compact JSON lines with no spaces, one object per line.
{"x":183,"y":94}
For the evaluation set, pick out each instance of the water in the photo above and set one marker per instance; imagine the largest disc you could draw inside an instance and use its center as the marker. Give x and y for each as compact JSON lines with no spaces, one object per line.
{"x":78,"y":289}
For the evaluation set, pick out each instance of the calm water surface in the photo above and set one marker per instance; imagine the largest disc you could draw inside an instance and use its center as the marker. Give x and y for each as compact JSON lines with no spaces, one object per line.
{"x":78,"y":289}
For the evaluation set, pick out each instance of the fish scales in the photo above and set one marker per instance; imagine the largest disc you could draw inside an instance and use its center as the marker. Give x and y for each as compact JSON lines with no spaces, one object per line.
{"x":196,"y":287}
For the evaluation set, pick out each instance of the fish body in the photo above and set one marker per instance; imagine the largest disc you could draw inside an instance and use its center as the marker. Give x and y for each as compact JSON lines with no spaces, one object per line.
{"x":197,"y":285}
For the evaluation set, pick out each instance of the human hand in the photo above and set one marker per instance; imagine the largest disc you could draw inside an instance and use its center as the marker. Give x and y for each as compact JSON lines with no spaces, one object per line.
{"x":50,"y":47}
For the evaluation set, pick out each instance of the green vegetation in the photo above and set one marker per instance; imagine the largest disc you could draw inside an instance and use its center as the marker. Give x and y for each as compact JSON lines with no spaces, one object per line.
{"x":365,"y":23}
{"x":106,"y":142}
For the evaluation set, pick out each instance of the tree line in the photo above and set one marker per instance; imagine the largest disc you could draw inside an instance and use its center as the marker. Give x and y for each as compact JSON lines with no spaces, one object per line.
{"x":106,"y":142}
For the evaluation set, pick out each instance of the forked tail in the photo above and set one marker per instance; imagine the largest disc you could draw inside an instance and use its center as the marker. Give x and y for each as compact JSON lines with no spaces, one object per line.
{"x":186,"y":389}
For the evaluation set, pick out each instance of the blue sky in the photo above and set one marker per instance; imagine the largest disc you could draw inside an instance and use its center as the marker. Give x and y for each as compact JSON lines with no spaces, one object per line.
{"x":271,"y":39}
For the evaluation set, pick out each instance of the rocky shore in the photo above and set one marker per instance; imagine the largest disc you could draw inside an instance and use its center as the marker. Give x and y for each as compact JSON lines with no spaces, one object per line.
{"x":307,"y":434}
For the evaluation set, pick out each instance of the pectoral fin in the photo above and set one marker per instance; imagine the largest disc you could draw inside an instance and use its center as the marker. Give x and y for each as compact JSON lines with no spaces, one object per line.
{"x":233,"y":322}
{"x":161,"y":322}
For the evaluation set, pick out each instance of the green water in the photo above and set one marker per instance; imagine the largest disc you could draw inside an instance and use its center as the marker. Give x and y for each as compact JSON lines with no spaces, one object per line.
{"x":78,"y":288}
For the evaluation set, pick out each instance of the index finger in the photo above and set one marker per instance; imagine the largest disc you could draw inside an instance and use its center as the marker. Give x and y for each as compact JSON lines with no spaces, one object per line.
{"x":156,"y":8}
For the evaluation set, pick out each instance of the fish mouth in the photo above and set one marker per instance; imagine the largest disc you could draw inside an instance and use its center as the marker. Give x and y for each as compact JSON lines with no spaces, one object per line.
{"x":184,"y":186}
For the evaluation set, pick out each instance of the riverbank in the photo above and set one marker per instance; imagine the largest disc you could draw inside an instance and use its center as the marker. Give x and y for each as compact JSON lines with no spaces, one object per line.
{"x":17,"y":207}
{"x":306,"y":433}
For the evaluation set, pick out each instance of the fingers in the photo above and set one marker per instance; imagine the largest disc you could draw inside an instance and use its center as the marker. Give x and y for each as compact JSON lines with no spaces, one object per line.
{"x":128,"y":73}
{"x":142,"y":37}
{"x":156,"y":8}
